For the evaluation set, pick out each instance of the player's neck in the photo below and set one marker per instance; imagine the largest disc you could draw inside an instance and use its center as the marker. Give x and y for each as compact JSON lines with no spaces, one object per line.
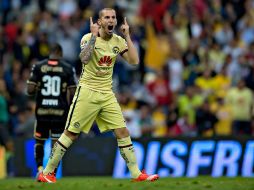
{"x":55,"y":57}
{"x":104,"y":35}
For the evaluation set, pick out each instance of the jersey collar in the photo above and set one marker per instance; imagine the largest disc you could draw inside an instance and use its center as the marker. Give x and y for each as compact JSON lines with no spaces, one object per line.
{"x":52,"y":61}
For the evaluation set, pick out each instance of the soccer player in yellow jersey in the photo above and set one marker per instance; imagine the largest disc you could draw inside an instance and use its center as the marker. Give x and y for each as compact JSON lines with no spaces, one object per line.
{"x":94,"y":99}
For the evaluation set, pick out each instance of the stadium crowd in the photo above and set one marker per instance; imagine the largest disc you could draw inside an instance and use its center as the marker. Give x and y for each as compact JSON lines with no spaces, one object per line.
{"x":196,"y":72}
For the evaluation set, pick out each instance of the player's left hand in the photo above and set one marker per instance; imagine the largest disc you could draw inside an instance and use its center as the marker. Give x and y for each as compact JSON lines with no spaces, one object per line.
{"x":125,"y":28}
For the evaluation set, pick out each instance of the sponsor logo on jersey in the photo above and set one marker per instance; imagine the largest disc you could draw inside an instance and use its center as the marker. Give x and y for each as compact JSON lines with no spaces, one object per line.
{"x":50,"y":111}
{"x":47,"y":68}
{"x":105,"y":61}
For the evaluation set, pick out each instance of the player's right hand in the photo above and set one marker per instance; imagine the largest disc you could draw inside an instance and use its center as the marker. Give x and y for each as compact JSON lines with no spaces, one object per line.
{"x":94,"y":27}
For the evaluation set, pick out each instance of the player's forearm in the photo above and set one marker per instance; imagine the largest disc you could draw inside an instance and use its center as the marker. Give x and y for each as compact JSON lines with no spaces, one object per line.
{"x":132,"y":51}
{"x":87,"y":51}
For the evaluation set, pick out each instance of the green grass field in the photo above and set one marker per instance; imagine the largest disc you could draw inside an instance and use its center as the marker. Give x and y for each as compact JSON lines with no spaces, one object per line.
{"x":107,"y":183}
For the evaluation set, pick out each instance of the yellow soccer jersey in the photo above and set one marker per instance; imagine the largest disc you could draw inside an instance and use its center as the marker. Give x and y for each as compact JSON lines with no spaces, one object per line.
{"x":97,"y":74}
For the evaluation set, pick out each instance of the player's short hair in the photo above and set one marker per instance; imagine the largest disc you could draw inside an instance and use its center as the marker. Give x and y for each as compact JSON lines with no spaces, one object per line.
{"x":105,"y":9}
{"x":56,"y":48}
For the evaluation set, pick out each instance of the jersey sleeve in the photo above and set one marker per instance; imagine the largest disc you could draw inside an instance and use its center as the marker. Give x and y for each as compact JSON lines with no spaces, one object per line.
{"x":72,"y":82}
{"x":34,"y":75}
{"x":84,"y":41}
{"x":123,"y":46}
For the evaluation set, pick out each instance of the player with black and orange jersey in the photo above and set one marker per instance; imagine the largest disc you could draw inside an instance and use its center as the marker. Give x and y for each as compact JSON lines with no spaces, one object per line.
{"x":53,"y":82}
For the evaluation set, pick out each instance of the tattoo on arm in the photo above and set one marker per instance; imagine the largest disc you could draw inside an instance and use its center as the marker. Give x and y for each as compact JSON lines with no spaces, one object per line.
{"x":86,"y":52}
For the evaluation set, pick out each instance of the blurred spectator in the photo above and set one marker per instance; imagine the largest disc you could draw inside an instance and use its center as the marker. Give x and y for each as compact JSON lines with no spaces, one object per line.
{"x":47,"y":26}
{"x":155,"y":10}
{"x":191,"y":61}
{"x":221,"y":83}
{"x":67,"y":36}
{"x":172,"y":116}
{"x":11,"y":30}
{"x":223,"y":113}
{"x":140,"y":91}
{"x":3,"y":45}
{"x":159,"y":89}
{"x":132,"y":123}
{"x":234,"y":48}
{"x":22,"y":50}
{"x":183,"y":127}
{"x":67,"y":8}
{"x":159,"y":120}
{"x":249,"y":78}
{"x":232,"y":69}
{"x":188,"y":103}
{"x":240,"y":99}
{"x":26,"y":120}
{"x":250,"y":54}
{"x":157,"y":50}
{"x":195,"y":26}
{"x":18,"y":103}
{"x":5,"y":6}
{"x":5,"y":138}
{"x":224,"y":33}
{"x":244,"y":67}
{"x":19,"y":99}
{"x":41,"y":46}
{"x":126,"y":100}
{"x":175,"y":72}
{"x":205,"y":84}
{"x":145,"y":121}
{"x":216,"y":57}
{"x":205,"y":120}
{"x":180,"y":31}
{"x":247,"y":29}
{"x":131,"y":8}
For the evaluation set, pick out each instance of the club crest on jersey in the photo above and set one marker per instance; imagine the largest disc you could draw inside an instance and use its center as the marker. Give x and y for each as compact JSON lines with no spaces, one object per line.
{"x":76,"y":125}
{"x":116,"y":50}
{"x":105,"y":61}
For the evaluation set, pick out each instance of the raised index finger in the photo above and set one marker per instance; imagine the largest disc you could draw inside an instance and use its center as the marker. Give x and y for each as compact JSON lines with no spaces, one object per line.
{"x":125,"y":20}
{"x":91,"y":20}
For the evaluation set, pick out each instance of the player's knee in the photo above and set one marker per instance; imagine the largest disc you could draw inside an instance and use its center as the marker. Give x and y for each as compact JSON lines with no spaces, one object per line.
{"x":121,"y":133}
{"x":71,"y":135}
